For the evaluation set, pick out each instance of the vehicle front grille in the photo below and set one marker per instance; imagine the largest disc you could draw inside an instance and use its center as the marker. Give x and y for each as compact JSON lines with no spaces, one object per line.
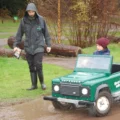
{"x":70,"y":89}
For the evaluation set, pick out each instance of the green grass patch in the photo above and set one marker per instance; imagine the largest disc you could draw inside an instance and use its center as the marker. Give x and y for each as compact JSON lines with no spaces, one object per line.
{"x":9,"y":23}
{"x":15,"y":79}
{"x":6,"y":46}
{"x":2,"y":36}
{"x":8,"y":28}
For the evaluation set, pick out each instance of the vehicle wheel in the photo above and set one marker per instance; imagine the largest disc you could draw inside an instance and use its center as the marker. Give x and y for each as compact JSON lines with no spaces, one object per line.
{"x":62,"y":105}
{"x":102,"y":105}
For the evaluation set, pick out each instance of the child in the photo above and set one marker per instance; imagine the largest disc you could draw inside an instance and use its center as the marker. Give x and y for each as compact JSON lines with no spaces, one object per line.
{"x":102,"y":47}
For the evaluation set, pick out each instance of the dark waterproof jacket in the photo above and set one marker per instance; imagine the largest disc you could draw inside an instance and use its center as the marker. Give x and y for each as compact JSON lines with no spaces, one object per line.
{"x":103,"y":52}
{"x":36,"y":33}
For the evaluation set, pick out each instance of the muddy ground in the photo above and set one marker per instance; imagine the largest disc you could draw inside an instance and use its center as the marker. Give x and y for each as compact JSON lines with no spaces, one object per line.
{"x":39,"y":109}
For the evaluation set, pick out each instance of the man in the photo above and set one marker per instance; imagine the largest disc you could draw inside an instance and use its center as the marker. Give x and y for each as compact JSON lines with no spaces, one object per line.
{"x":36,"y":35}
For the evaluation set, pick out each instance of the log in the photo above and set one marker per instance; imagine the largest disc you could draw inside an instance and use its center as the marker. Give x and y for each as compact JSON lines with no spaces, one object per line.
{"x":10,"y":53}
{"x":114,"y":39}
{"x":11,"y":40}
{"x":65,"y":50}
{"x":56,"y":49}
{"x":6,"y":52}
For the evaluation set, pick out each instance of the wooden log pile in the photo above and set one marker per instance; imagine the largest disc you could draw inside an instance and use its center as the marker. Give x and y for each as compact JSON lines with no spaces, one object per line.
{"x":6,"y":52}
{"x":11,"y":40}
{"x":56,"y":49}
{"x":10,"y":53}
{"x":114,"y":39}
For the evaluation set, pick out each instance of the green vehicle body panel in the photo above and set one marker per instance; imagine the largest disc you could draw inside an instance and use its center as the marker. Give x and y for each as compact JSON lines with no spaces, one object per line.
{"x":94,"y":76}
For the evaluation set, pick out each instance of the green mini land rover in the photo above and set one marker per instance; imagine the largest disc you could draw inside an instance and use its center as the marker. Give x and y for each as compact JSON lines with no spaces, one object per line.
{"x":94,"y":83}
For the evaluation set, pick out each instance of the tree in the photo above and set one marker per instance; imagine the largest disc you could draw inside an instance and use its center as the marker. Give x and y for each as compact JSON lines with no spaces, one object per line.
{"x":81,"y":21}
{"x":13,"y":6}
{"x":4,"y":13}
{"x":89,"y":20}
{"x":59,"y":23}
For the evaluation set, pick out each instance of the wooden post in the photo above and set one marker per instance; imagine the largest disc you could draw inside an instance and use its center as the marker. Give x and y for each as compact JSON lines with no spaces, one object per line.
{"x":59,"y":23}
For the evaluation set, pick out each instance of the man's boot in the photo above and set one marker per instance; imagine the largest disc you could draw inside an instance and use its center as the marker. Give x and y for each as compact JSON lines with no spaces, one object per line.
{"x":40,"y":75}
{"x":33,"y":80}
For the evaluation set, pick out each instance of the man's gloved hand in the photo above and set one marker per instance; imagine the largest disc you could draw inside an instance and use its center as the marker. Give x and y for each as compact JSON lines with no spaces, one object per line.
{"x":48,"y":49}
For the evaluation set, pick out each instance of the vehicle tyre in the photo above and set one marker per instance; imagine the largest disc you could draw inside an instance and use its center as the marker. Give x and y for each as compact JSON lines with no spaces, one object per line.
{"x":102,"y":105}
{"x":62,"y":105}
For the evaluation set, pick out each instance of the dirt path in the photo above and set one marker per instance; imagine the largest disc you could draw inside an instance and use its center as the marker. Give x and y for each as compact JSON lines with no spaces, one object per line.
{"x":3,"y":42}
{"x":39,"y":109}
{"x":66,"y":62}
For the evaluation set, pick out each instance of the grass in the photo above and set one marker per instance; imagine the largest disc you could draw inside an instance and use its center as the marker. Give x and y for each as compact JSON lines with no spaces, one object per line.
{"x":7,"y":35}
{"x":8,"y":28}
{"x":14,"y":79}
{"x":14,"y":74}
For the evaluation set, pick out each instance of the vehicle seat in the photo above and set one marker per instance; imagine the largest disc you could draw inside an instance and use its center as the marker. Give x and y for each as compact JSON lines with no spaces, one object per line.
{"x":115,"y":68}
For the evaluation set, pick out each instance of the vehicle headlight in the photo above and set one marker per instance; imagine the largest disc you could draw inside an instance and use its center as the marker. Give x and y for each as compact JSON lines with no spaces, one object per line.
{"x":84,"y":91}
{"x":56,"y":88}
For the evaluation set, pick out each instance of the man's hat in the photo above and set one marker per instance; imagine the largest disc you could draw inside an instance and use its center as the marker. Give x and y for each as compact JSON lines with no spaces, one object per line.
{"x":31,"y":6}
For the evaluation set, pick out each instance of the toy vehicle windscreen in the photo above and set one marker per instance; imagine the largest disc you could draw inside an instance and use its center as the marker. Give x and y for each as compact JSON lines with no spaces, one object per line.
{"x":94,"y":63}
